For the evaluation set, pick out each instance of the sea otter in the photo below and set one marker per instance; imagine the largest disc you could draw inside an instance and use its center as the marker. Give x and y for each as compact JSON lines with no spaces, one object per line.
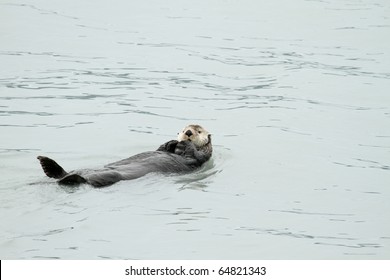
{"x":191,"y":149}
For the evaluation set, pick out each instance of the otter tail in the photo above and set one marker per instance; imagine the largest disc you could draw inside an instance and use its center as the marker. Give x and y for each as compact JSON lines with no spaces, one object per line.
{"x":51,"y":168}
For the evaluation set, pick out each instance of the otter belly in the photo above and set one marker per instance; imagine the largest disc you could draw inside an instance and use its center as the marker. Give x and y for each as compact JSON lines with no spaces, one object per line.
{"x":128,"y":169}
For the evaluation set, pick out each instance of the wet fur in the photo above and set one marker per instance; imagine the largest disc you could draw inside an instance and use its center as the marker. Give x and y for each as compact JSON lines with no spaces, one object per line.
{"x":187,"y":153}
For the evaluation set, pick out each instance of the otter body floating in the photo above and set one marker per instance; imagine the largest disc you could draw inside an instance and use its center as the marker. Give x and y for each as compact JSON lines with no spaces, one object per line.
{"x":191,"y":149}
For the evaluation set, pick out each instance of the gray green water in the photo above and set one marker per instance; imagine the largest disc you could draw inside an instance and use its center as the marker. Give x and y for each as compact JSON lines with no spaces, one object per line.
{"x":295,"y":93}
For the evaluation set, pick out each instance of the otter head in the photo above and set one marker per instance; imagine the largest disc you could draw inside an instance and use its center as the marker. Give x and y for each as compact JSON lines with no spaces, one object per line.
{"x":196,"y":134}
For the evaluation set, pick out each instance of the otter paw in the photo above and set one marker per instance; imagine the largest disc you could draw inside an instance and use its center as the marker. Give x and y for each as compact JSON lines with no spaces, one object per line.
{"x":168,"y":147}
{"x":185,"y":148}
{"x":171,"y":145}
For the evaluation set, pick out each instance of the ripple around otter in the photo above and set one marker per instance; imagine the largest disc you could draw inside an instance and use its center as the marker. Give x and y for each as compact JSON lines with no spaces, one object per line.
{"x":299,"y":118}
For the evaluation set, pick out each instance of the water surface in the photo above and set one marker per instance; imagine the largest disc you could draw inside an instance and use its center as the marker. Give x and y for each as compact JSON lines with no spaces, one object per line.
{"x":295,"y":93}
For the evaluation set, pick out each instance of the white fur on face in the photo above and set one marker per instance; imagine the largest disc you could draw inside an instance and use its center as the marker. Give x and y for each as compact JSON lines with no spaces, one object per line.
{"x":199,"y":137}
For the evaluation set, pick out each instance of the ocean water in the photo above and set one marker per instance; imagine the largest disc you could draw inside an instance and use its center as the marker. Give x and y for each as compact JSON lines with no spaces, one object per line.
{"x":295,"y":94}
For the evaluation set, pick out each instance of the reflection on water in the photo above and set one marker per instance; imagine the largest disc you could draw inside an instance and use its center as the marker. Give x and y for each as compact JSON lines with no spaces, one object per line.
{"x":299,"y":118}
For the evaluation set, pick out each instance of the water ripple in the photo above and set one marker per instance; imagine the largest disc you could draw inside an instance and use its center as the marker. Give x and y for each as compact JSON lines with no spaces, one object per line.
{"x":42,"y":11}
{"x":287,"y":232}
{"x":312,"y":213}
{"x":369,"y":164}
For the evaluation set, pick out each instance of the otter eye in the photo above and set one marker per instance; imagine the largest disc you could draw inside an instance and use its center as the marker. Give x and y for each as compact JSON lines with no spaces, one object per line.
{"x":199,"y":131}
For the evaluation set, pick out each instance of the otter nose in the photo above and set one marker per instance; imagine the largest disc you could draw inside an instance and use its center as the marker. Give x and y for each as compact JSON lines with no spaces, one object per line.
{"x":188,"y":133}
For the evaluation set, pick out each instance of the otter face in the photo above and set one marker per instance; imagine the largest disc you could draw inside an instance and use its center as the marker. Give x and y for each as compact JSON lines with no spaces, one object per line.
{"x":196,"y":134}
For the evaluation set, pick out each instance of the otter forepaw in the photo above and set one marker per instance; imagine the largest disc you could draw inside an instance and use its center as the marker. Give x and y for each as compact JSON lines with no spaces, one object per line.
{"x":186,"y":148}
{"x":169,"y":146}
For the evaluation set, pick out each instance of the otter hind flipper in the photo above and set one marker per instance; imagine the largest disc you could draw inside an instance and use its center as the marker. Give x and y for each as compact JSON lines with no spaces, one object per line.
{"x":51,"y":168}
{"x":72,"y":179}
